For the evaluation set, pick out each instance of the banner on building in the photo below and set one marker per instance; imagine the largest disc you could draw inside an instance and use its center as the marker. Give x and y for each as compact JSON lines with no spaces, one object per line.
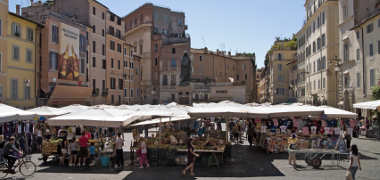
{"x":69,"y":53}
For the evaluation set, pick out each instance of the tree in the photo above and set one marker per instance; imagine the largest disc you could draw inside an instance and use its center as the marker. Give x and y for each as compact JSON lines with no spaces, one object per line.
{"x":376,"y":92}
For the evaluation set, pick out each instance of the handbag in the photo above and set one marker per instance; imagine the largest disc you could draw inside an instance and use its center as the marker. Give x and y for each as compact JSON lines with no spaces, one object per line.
{"x":348,"y":175}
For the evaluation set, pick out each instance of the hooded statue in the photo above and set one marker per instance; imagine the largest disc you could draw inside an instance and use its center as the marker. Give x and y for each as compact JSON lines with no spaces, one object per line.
{"x":185,"y":69}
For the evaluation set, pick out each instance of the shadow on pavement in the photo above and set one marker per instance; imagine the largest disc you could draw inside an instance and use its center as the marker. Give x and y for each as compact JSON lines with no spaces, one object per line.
{"x":243,"y":163}
{"x":94,"y":170}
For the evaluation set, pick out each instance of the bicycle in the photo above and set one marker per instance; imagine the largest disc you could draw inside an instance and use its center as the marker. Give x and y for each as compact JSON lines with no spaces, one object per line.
{"x":24,"y":164}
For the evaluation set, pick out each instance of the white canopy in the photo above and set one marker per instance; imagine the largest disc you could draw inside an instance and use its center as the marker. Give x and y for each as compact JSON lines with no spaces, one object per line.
{"x":47,"y":111}
{"x":97,"y":117}
{"x":332,"y":112}
{"x":161,"y":120}
{"x":9,"y":113}
{"x":73,"y":108}
{"x":224,"y":108}
{"x":283,"y":110}
{"x":373,"y":105}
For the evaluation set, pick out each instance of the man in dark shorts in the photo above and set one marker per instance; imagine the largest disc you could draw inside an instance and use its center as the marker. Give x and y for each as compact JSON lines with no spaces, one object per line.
{"x":83,"y":152}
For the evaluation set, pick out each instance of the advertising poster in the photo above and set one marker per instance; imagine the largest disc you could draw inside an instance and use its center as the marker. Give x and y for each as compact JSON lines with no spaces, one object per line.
{"x":68,"y":60}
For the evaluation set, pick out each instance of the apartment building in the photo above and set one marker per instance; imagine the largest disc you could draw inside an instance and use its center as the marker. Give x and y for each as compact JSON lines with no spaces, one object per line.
{"x":63,"y":69}
{"x":3,"y":49}
{"x":280,"y":55}
{"x":318,"y":52}
{"x":114,"y":64}
{"x":153,"y":30}
{"x":359,"y":32}
{"x":22,"y":44}
{"x":93,"y":14}
{"x":293,"y":79}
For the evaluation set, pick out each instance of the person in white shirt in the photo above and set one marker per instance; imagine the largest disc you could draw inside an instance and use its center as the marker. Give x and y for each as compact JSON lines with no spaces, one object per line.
{"x":119,"y":150}
{"x":354,"y":161}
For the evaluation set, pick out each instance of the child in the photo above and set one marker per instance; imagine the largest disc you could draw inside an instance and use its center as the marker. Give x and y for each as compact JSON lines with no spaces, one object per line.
{"x":92,"y":150}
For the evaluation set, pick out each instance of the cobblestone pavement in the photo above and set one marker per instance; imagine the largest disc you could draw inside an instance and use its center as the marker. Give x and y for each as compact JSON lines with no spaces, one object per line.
{"x":245,"y":165}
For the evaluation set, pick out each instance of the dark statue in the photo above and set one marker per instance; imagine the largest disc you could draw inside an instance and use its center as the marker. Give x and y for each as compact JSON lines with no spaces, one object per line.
{"x":186,"y":69}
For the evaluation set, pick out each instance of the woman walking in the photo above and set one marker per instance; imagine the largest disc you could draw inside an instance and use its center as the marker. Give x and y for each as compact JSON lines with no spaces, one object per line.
{"x":191,"y":155}
{"x":354,"y":161}
{"x":292,"y":141}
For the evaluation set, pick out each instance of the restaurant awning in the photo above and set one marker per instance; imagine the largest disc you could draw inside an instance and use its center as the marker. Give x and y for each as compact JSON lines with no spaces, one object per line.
{"x":67,"y":95}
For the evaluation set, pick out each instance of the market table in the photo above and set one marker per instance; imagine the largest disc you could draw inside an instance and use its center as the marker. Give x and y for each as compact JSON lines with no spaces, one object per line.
{"x":218,"y":154}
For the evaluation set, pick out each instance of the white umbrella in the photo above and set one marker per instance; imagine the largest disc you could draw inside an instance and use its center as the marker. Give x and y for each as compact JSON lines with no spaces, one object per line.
{"x":332,"y":112}
{"x":9,"y":113}
{"x":73,"y":108}
{"x":368,"y":105}
{"x":47,"y":111}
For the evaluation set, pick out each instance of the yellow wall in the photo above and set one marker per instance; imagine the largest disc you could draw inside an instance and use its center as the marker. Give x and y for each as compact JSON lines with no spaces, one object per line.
{"x":21,"y":69}
{"x":3,"y":49}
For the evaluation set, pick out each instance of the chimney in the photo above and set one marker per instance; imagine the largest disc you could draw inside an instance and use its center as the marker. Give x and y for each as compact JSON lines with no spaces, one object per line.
{"x":18,"y":8}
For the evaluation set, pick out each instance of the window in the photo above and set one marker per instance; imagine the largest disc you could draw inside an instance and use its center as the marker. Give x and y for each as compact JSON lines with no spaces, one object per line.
{"x":173,"y":50}
{"x":93,"y":61}
{"x":358,"y":80}
{"x":324,"y":83}
{"x":29,"y":34}
{"x":156,"y":61}
{"x":94,"y":84}
{"x":82,"y":43}
{"x":313,"y":26}
{"x":314,"y":66}
{"x":319,"y":84}
{"x":1,"y":63}
{"x":372,"y":77}
{"x":112,"y":99}
{"x":200,"y":58}
{"x":279,"y":67}
{"x":118,"y":33}
{"x":104,"y":64}
{"x":121,"y":84}
{"x":112,"y":45}
{"x":345,"y":11}
{"x":111,"y":30}
{"x":113,"y":83}
{"x":371,"y":49}
{"x":358,"y":54}
{"x":141,"y":49}
{"x":103,"y":33}
{"x":94,"y":46}
{"x":103,"y":16}
{"x":357,"y":35}
{"x":125,"y":92}
{"x":118,"y":64}
{"x":378,"y":47}
{"x":82,"y":66}
{"x":346,"y":81}
{"x":1,"y":91}
{"x":29,"y":56}
{"x":93,"y":10}
{"x":346,"y":54}
{"x":16,"y":52}
{"x":245,"y":76}
{"x":314,"y":47}
{"x":119,"y":48}
{"x":1,"y":29}
{"x":27,"y":92}
{"x":54,"y":34}
{"x":378,"y":23}
{"x":112,"y":65}
{"x":16,"y":29}
{"x":237,"y":77}
{"x":103,"y":85}
{"x":165,"y":80}
{"x":369,"y":28}
{"x":173,"y":80}
{"x":279,"y":56}
{"x":155,"y":47}
{"x":131,"y":92}
{"x":14,"y":86}
{"x":53,"y":63}
{"x":319,"y":43}
{"x":173,"y":63}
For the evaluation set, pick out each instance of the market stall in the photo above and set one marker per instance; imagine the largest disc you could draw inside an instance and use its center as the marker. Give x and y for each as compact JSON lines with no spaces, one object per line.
{"x":369,"y":116}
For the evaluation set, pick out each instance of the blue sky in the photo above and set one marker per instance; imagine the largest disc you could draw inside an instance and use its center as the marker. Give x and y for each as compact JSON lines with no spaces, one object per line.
{"x":237,"y":25}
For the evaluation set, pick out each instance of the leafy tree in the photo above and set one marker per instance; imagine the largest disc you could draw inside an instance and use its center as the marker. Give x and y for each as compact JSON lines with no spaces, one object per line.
{"x":376,"y":92}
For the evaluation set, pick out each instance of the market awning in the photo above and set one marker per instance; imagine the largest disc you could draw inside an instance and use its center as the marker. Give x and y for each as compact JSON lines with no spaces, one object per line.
{"x":373,"y":105}
{"x":161,"y":120}
{"x":67,"y":95}
{"x":9,"y":113}
{"x":96,"y":117}
{"x":332,"y":112}
{"x":47,"y":111}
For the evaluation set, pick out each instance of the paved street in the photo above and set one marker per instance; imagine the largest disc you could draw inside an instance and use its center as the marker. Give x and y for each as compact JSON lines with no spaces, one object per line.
{"x":245,"y":164}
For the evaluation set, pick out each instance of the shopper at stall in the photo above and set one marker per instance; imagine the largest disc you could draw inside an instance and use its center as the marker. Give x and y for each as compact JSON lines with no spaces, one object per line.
{"x":354,"y":161}
{"x":235,"y":132}
{"x":250,"y":133}
{"x":347,"y":139}
{"x":2,"y":143}
{"x":191,"y":156}
{"x":119,"y":141}
{"x":340,"y":144}
{"x":292,"y":141}
{"x":74,"y":149}
{"x":143,"y":154}
{"x":92,"y":151}
{"x":83,"y":153}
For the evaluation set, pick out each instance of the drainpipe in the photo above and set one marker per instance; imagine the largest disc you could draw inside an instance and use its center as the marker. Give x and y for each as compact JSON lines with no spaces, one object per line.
{"x":364,"y":69}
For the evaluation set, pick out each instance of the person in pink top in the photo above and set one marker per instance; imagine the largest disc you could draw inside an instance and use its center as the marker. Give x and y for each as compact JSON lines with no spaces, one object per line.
{"x":83,"y":153}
